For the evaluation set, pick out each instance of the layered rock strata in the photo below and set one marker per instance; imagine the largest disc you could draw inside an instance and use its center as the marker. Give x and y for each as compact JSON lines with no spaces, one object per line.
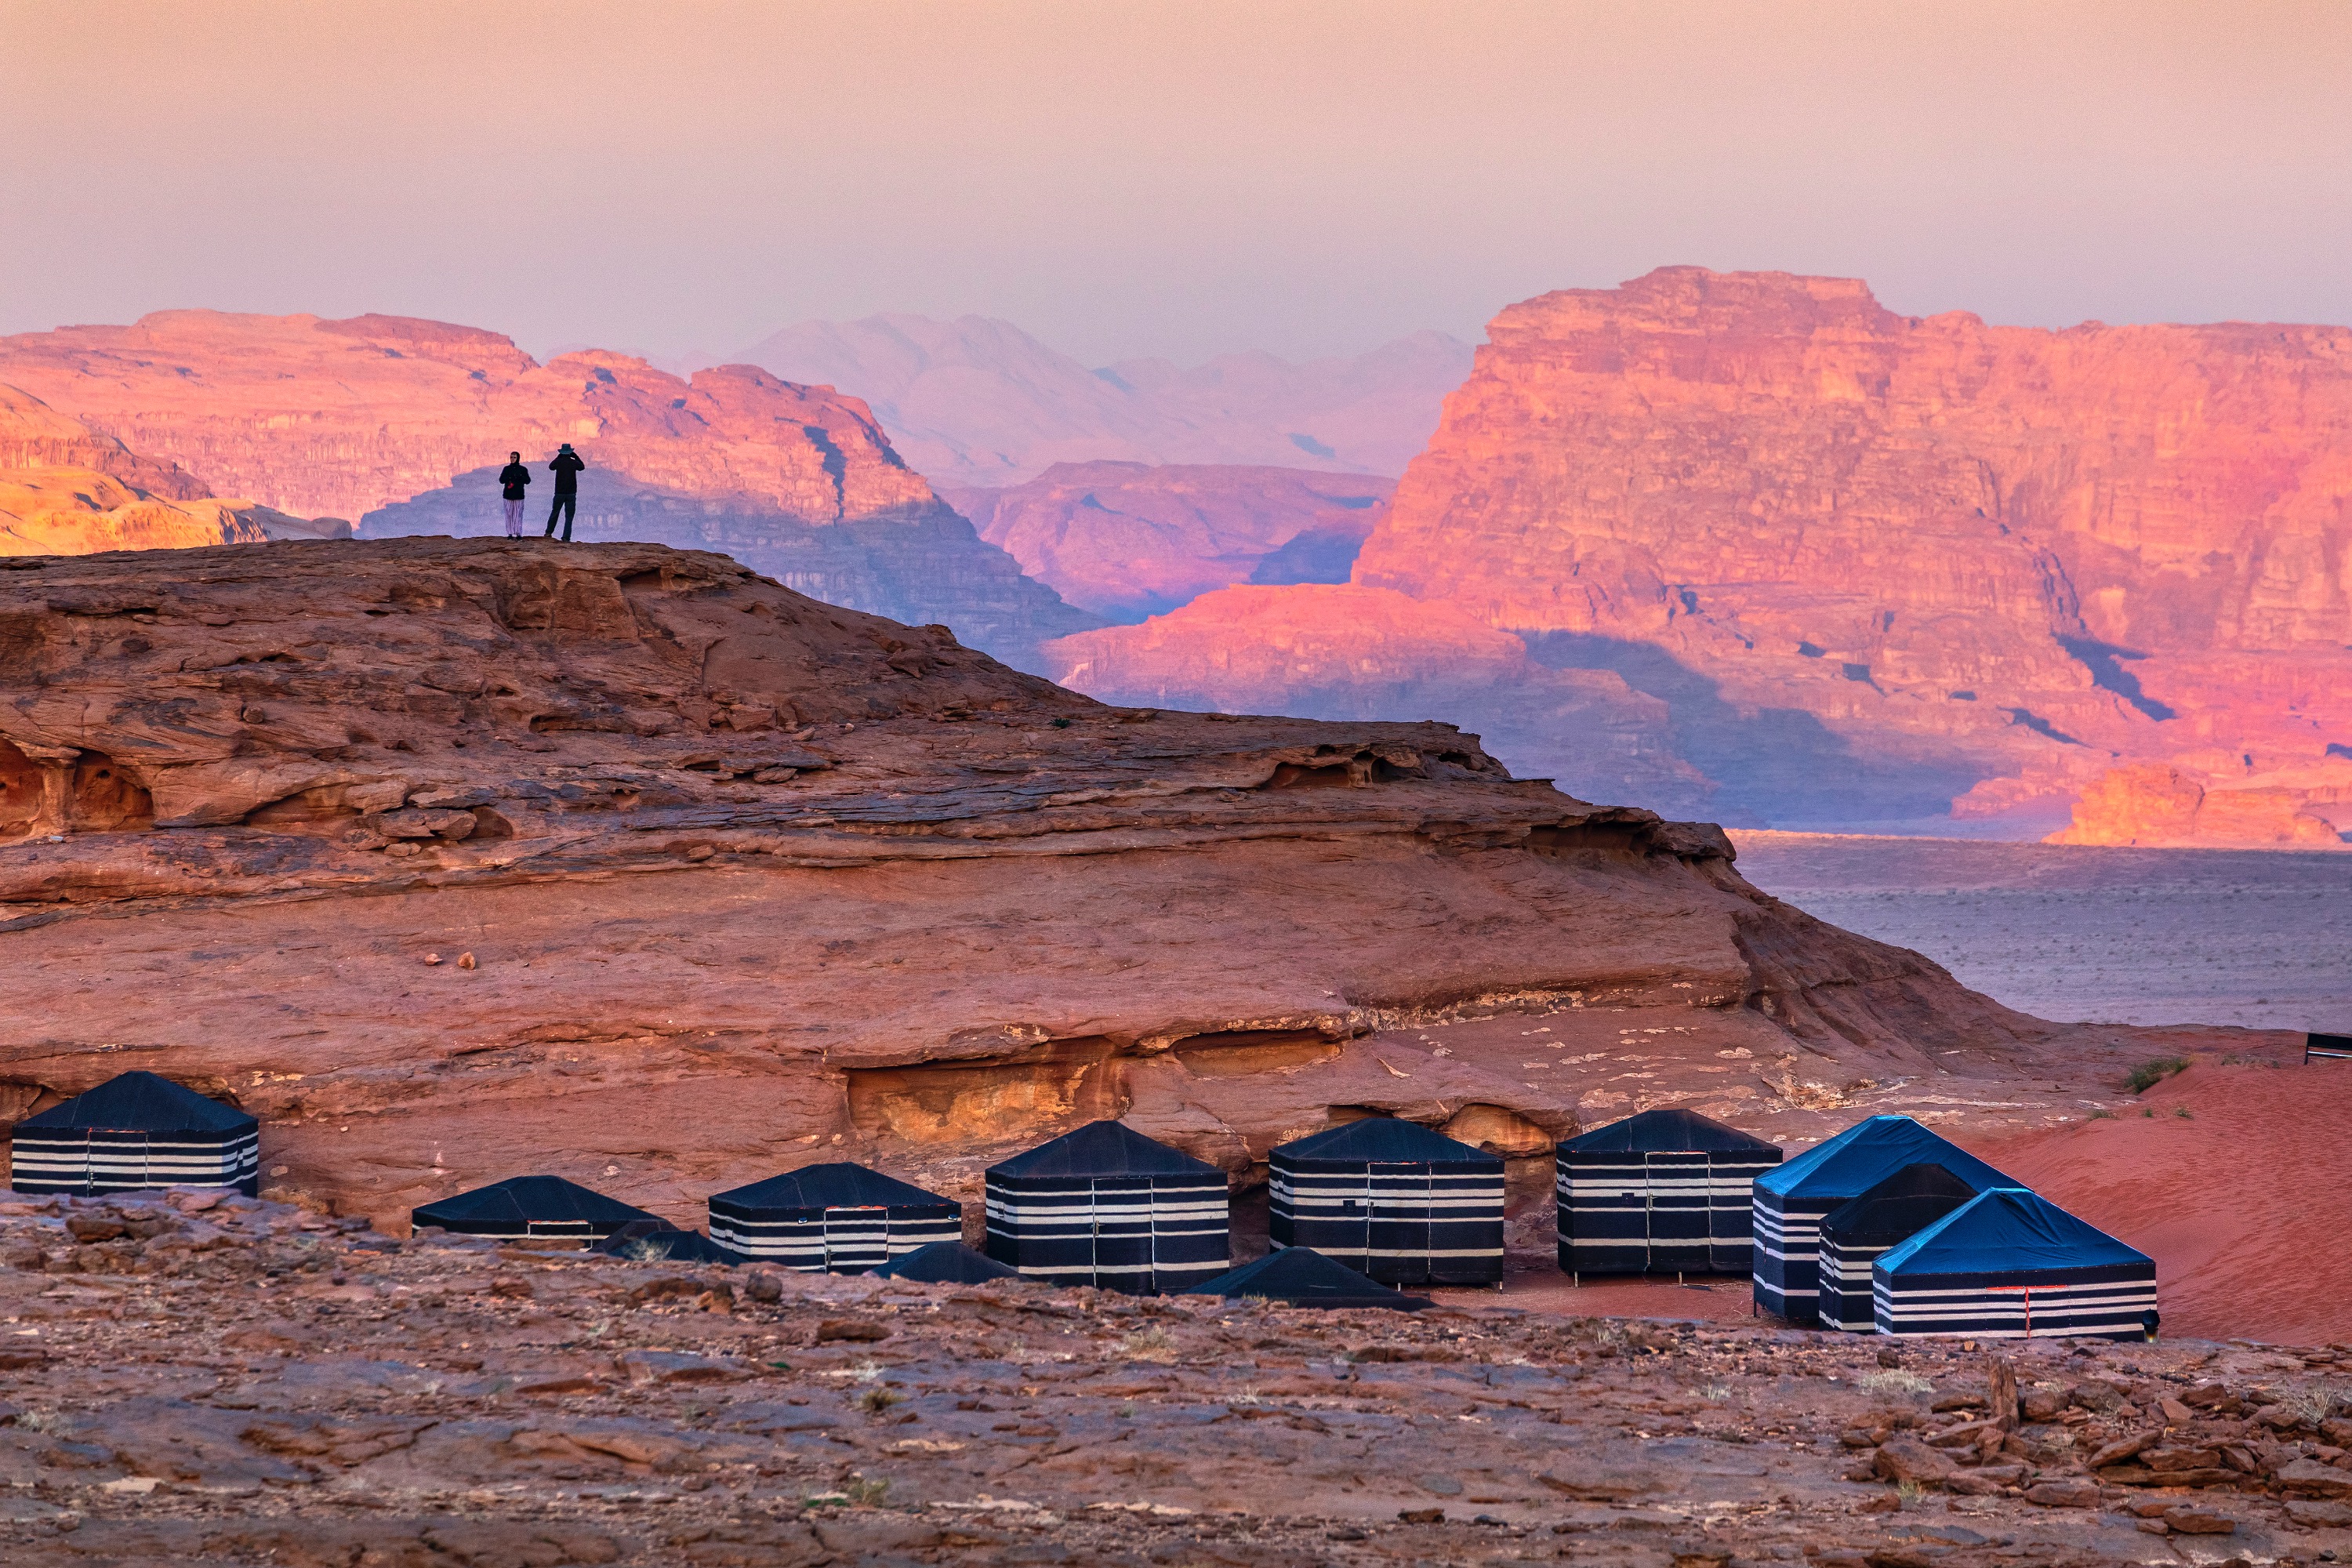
{"x":454,"y":859}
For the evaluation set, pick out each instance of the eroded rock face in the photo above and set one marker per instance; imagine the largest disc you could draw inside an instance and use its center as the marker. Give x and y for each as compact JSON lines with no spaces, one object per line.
{"x":457,"y":859}
{"x":1889,"y":566}
{"x":1128,"y":540}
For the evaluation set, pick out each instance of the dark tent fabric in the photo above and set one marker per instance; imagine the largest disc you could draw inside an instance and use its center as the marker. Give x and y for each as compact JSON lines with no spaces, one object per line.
{"x":2007,"y":1264}
{"x":1106,"y":1205}
{"x":1392,"y":1199}
{"x":831,"y":1220}
{"x":528,"y":1207}
{"x":1301,"y":1277}
{"x":946,"y":1263}
{"x":135,"y":1130}
{"x":1665,"y":1192}
{"x":1791,"y":1198}
{"x":1856,"y":1232}
{"x":646,"y":1241}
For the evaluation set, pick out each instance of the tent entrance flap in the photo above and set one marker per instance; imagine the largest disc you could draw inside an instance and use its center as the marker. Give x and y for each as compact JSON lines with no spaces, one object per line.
{"x":1122,"y":1233}
{"x":856,"y":1237}
{"x":1676,"y":1183}
{"x":1398,"y":1233}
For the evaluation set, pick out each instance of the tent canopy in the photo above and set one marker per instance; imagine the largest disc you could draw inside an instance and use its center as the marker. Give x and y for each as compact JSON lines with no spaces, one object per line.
{"x":1383,"y":1140}
{"x":141,"y":1102}
{"x":524,"y":1200}
{"x":2008,"y":1230}
{"x":650,"y":1239}
{"x":839,"y":1186}
{"x":946,"y":1263}
{"x":1902,"y":1205}
{"x":1304,"y":1277}
{"x":1665,"y":1129}
{"x":1102,"y":1149}
{"x":1869,"y":1151}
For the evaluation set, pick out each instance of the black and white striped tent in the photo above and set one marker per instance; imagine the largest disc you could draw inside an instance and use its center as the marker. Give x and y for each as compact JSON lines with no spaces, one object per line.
{"x":1106,"y":1205}
{"x":946,"y":1263}
{"x":1393,"y":1200}
{"x":832,"y":1219}
{"x":135,"y":1130}
{"x":2010,"y":1265}
{"x":523,"y":1206}
{"x":1301,"y":1277}
{"x":1856,"y":1232}
{"x":1791,"y":1198}
{"x":1665,"y":1192}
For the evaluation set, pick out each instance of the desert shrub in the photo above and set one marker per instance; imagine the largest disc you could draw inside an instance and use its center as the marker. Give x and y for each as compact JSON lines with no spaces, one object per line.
{"x":1894,"y":1380}
{"x":2149,"y":1074}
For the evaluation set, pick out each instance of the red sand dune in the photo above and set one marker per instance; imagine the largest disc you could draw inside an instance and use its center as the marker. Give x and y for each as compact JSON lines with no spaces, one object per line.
{"x":2243,"y":1202}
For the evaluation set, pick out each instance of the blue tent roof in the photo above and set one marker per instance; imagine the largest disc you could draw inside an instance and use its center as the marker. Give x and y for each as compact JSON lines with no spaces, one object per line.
{"x":519,"y":1200}
{"x":1304,"y":1277}
{"x":2007,"y":1231}
{"x":1384,"y":1138}
{"x":1869,"y":1151}
{"x":644,"y":1241}
{"x":837,"y":1186}
{"x":945,"y":1263}
{"x":1669,"y":1129}
{"x":1103,"y":1149}
{"x":142,"y":1102}
{"x":1901,"y":1206}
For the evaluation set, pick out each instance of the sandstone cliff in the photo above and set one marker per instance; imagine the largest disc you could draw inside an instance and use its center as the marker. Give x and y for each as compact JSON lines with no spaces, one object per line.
{"x":347,"y":418}
{"x":1129,"y":540}
{"x":1887,"y":567}
{"x":452,"y":860}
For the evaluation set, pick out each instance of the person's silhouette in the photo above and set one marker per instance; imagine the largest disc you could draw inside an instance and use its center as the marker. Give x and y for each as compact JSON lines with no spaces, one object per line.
{"x":511,"y":480}
{"x":565,"y":467}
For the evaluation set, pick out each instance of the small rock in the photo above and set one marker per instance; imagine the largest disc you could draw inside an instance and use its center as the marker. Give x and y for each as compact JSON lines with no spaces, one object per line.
{"x":2174,"y":1411}
{"x":87,"y":1228}
{"x":2198,"y":1522}
{"x":1408,"y":1515}
{"x":762,"y":1285}
{"x":464,"y":960}
{"x":856,"y":1330}
{"x":431,"y":958}
{"x":2066,"y":1492}
{"x":2311,"y":1477}
{"x":1909,"y":1459}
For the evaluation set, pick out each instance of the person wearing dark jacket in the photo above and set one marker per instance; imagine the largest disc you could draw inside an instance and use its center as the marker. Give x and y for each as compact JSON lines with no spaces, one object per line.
{"x":512,"y":479}
{"x":566,"y":468}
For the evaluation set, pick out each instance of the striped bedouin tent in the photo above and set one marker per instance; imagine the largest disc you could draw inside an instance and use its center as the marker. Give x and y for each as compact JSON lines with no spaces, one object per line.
{"x":527,"y":1207}
{"x":1665,"y":1192}
{"x":1106,"y":1205}
{"x":1391,"y":1200}
{"x":1856,"y":1232}
{"x":1791,"y":1198}
{"x":2010,"y":1265}
{"x":136,"y":1129}
{"x":832,"y":1219}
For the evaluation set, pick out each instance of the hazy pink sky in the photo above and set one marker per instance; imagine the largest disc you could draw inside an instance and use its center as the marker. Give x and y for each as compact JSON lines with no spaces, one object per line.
{"x":1127,"y":178}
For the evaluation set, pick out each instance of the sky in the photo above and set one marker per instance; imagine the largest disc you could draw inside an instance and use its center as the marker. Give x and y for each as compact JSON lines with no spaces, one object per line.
{"x":1124,"y":178}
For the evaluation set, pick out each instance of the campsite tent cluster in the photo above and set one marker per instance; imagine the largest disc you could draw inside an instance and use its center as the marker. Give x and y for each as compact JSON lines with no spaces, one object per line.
{"x":1885,"y":1226}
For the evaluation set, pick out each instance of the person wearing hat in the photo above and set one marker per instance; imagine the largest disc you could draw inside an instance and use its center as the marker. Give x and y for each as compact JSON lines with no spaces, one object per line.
{"x":566,"y":468}
{"x":511,"y":480}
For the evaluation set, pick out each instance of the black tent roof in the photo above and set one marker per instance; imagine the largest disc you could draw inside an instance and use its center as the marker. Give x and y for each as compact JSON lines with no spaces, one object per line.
{"x":838,"y":1186}
{"x":1103,"y":1149}
{"x":650,"y":1239}
{"x":521,"y":1199}
{"x":1902,"y":1205}
{"x":1305,"y":1277}
{"x":945,"y":1263}
{"x":144,"y":1102}
{"x":1384,"y":1138}
{"x":1668,"y":1130}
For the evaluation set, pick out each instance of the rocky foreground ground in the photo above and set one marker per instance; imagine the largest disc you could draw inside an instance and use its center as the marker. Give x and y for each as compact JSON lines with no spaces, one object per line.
{"x":219,"y":1380}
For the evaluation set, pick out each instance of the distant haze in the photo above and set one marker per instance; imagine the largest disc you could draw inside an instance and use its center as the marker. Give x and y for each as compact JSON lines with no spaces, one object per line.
{"x":1314,"y":178}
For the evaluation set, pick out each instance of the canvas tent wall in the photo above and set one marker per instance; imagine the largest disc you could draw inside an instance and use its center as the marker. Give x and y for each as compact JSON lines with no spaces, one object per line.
{"x":1392,"y":1199}
{"x":523,"y":1206}
{"x":1106,"y":1205}
{"x":1854,"y":1233}
{"x":1665,"y":1192}
{"x":2010,"y":1265}
{"x":832,"y":1219}
{"x":1791,"y":1198}
{"x":135,"y":1130}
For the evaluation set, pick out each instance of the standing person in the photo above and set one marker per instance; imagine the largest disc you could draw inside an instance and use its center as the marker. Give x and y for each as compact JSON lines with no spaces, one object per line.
{"x":512,"y":479}
{"x":566,"y":468}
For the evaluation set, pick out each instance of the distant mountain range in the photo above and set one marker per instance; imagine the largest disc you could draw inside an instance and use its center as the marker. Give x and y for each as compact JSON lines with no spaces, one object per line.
{"x":976,"y":401}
